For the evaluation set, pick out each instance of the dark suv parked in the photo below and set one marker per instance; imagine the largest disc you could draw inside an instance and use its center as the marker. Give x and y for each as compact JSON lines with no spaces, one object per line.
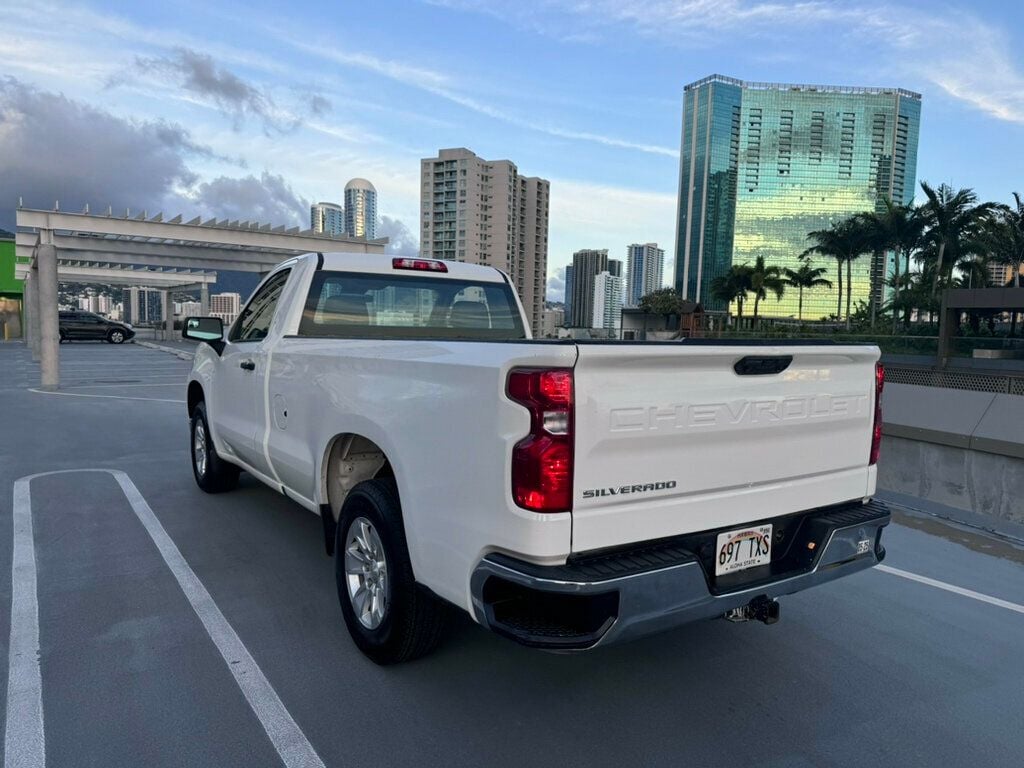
{"x":87,"y":325}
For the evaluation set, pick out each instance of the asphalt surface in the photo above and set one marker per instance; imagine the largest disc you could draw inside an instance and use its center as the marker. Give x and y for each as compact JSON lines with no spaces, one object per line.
{"x":874,"y":670}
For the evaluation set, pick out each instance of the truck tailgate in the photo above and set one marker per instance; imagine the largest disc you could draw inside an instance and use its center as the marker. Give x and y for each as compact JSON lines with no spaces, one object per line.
{"x":671,"y":439}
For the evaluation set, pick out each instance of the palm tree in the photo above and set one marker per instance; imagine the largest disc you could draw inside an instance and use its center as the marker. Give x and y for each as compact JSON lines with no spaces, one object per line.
{"x":876,"y":235}
{"x":1003,"y":240}
{"x":806,"y":277}
{"x":896,"y":228}
{"x":764,"y":279}
{"x":845,"y":241}
{"x":733,"y":286}
{"x":905,"y":224}
{"x":951,"y":217}
{"x":827,"y":242}
{"x":1004,"y":236}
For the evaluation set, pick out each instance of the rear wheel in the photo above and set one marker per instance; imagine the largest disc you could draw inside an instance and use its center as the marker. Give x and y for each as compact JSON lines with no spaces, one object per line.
{"x":390,"y":617}
{"x":63,"y":336}
{"x":116,"y":336}
{"x":212,"y":473}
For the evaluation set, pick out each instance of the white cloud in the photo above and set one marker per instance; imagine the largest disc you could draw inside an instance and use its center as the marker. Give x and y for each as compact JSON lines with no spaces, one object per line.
{"x":439,"y":84}
{"x":586,"y":215}
{"x":959,"y":53}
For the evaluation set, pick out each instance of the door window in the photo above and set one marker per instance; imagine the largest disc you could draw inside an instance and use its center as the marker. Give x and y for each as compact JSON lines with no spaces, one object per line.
{"x":254,"y":322}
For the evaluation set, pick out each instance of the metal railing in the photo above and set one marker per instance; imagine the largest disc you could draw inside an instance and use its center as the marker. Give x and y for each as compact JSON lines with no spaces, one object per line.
{"x":1010,"y":383}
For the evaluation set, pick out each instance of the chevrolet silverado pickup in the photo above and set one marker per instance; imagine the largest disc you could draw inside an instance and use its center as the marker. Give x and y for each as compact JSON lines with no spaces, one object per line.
{"x":566,"y":494}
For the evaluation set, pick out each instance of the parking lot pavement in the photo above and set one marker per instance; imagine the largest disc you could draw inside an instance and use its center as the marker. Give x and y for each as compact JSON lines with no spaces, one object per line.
{"x":135,"y":668}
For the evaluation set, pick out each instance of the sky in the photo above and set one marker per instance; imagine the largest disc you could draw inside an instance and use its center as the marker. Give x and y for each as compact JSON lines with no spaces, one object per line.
{"x":253,"y":110}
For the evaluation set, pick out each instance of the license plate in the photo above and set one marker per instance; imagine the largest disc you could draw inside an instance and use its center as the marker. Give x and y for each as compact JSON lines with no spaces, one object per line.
{"x":743,"y":548}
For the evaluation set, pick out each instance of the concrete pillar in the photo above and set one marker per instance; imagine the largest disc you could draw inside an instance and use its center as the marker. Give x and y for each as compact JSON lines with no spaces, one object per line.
{"x":168,"y":308}
{"x":32,"y":314}
{"x":204,"y":299}
{"x":133,"y":304}
{"x":49,"y":322}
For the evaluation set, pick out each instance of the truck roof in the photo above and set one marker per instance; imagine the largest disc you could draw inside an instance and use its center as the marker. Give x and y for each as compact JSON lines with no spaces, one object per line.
{"x":381,"y":264}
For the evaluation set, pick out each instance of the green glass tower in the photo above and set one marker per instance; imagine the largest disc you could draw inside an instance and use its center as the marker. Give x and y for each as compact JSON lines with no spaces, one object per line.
{"x":763,"y":164}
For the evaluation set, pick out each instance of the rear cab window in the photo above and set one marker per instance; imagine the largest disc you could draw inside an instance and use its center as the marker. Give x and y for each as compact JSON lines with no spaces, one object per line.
{"x":253,"y":324}
{"x":374,"y":306}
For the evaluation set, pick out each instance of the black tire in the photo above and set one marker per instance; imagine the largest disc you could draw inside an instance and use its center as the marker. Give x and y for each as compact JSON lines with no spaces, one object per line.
{"x":216,"y":475}
{"x":414,"y":620}
{"x":116,"y":336}
{"x":63,"y":336}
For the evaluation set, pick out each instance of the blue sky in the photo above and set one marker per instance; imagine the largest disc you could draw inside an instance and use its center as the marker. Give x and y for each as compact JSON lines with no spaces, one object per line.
{"x":585,"y":93}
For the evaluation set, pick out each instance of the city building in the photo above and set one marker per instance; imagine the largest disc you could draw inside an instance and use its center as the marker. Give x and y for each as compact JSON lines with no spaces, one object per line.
{"x":567,"y":302}
{"x":188,"y":309}
{"x":226,"y":306}
{"x":485,"y":212}
{"x":551,"y":321}
{"x":327,"y":219}
{"x":1002,"y":274}
{"x":144,"y":307}
{"x":763,"y":164}
{"x":587,"y":264}
{"x":90,"y":301}
{"x":644,"y":265}
{"x":609,"y":290}
{"x":360,"y":209}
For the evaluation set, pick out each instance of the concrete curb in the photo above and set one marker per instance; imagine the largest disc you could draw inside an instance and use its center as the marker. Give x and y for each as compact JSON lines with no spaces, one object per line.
{"x":180,"y":353}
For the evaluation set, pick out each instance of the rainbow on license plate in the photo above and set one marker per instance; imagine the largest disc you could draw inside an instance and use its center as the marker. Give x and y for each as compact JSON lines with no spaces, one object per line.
{"x":743,"y":548}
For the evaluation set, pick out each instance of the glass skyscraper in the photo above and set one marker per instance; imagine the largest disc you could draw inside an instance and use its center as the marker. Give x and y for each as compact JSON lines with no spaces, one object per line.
{"x":763,"y":164}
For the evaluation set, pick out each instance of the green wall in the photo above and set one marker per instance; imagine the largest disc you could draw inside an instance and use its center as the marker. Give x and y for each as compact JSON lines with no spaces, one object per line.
{"x":7,"y":282}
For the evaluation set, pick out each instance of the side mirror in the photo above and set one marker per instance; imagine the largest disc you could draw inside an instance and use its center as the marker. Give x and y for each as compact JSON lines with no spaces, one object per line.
{"x":208,"y":329}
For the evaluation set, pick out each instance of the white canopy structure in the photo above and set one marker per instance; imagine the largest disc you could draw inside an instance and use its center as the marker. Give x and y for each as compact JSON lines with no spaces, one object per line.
{"x":54,"y":245}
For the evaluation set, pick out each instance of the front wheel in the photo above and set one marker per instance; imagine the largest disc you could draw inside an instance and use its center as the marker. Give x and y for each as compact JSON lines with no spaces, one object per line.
{"x":116,"y":336}
{"x":390,"y":617}
{"x":212,"y":473}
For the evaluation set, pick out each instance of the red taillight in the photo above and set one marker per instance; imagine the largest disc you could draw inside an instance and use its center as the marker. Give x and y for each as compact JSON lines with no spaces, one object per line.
{"x":426,"y":265}
{"x":542,"y":461}
{"x":876,"y":429}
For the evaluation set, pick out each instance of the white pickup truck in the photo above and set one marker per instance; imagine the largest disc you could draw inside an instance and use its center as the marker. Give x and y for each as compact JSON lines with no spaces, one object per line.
{"x":565,"y":494}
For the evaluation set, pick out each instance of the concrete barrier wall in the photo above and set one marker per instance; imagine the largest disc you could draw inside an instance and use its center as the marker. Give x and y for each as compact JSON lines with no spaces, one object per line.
{"x":956,"y":447}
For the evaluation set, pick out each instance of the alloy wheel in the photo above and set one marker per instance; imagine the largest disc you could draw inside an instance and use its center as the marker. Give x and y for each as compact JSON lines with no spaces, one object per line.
{"x":199,"y":448}
{"x":366,"y":573}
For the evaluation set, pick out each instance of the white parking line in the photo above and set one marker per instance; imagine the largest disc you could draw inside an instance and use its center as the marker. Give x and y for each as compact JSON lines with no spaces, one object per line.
{"x":24,"y":745}
{"x":951,"y":588}
{"x":105,"y":397}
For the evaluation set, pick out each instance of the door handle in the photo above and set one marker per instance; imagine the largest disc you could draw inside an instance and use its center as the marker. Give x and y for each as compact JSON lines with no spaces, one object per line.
{"x":247,"y":365}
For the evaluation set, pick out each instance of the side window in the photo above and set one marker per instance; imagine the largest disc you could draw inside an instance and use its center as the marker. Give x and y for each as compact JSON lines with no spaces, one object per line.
{"x":254,"y":322}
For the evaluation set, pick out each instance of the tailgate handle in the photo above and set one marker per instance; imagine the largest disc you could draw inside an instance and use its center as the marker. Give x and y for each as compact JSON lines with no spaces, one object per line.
{"x":754,"y":365}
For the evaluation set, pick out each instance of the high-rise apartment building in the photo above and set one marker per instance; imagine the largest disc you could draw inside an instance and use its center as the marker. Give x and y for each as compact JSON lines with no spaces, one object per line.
{"x":327,"y":219}
{"x":226,"y":306}
{"x":1002,"y":274}
{"x":763,"y":164}
{"x":567,"y":318}
{"x":587,"y":264}
{"x":484,"y":212}
{"x":360,"y":209}
{"x":609,"y":290}
{"x":644,"y":265}
{"x":143,"y":306}
{"x":188,"y":308}
{"x":551,"y":321}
